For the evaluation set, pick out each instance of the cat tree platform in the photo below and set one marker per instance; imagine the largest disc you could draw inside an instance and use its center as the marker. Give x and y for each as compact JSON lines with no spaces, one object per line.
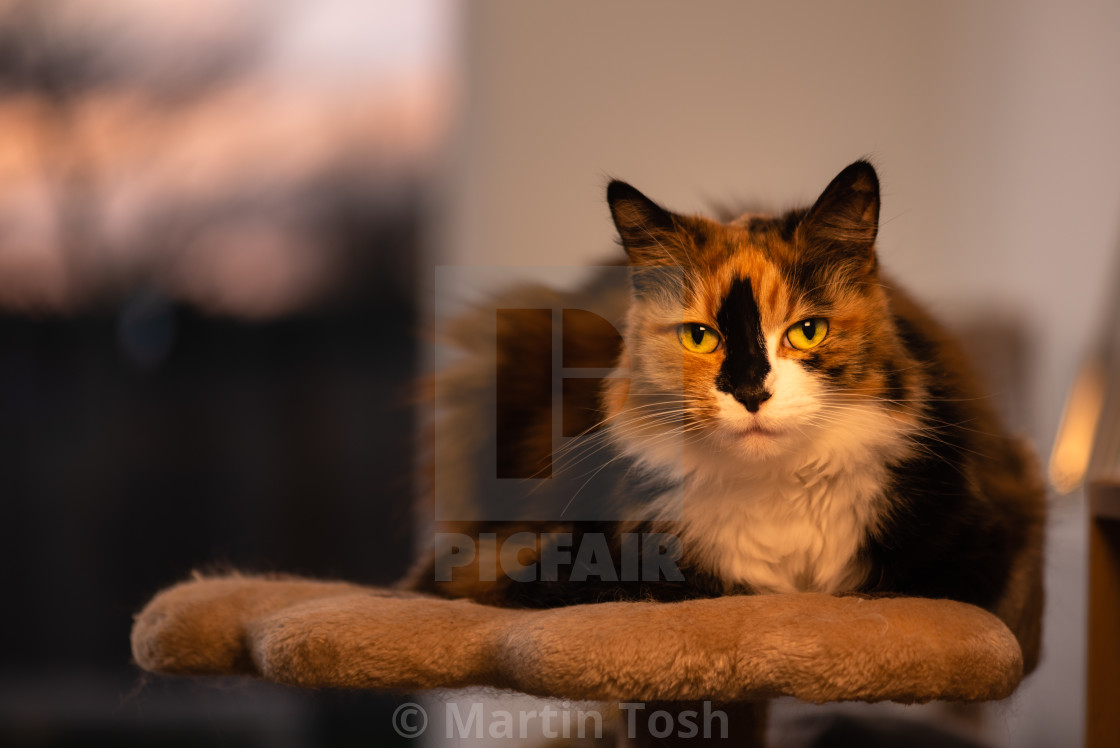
{"x":810,"y":646}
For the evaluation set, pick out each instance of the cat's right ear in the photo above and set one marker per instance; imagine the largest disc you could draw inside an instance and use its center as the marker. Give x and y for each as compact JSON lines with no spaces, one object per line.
{"x":645,"y":228}
{"x":843,"y":223}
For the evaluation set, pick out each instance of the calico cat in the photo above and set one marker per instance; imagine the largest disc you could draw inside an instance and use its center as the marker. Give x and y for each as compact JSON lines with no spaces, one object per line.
{"x":789,"y":417}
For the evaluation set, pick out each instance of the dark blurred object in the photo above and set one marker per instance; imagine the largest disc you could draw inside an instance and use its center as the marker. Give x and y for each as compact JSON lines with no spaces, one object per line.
{"x":1097,"y":392}
{"x":208,"y":266}
{"x":143,"y":443}
{"x":840,"y":731}
{"x":282,"y":446}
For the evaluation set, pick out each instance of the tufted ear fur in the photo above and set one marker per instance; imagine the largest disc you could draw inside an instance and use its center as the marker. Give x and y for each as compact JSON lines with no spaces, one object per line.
{"x":657,"y":242}
{"x":842,"y":225}
{"x":647,"y":230}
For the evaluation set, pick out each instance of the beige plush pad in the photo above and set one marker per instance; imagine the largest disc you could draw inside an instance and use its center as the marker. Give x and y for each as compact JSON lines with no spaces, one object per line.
{"x":811,"y":646}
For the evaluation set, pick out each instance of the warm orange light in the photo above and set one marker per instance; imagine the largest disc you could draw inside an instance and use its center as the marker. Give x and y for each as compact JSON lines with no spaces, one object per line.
{"x":1074,"y":445}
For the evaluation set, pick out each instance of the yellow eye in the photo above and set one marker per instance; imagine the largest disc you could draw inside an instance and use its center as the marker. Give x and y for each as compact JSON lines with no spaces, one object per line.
{"x":808,"y":333}
{"x":698,"y":338}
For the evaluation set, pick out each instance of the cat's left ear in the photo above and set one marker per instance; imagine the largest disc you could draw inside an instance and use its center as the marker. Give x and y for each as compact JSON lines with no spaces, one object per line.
{"x":647,"y":231}
{"x":654,"y":240}
{"x":844,"y":221}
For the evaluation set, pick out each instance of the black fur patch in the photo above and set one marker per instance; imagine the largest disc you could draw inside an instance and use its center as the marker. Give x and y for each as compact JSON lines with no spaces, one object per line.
{"x":893,"y":390}
{"x":790,"y":222}
{"x":745,"y":363}
{"x":919,"y":346}
{"x":940,"y":539}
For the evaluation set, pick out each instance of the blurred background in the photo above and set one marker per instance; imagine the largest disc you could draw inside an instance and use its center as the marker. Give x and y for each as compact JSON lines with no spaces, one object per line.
{"x":219,"y":221}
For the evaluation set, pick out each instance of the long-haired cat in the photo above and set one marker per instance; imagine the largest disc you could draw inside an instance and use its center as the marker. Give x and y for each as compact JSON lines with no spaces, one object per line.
{"x":782,"y":411}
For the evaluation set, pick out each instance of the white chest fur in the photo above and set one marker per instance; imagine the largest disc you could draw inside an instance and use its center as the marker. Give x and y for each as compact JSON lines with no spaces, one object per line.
{"x":783,"y":533}
{"x":792,"y":523}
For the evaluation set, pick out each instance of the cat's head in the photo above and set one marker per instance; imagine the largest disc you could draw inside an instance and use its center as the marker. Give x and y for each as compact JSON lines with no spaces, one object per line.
{"x":756,"y":337}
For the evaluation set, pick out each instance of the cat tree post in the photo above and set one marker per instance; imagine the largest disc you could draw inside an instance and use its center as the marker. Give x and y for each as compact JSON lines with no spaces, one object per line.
{"x":1102,"y":720}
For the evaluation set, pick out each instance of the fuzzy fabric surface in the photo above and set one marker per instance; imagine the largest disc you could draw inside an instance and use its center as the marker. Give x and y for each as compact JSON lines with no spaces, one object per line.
{"x":811,"y":646}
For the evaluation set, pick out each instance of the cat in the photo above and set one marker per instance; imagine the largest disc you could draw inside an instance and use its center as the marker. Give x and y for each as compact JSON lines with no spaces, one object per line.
{"x":782,"y":412}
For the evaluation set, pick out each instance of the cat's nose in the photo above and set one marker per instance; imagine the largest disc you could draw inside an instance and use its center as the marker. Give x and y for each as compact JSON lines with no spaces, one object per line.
{"x":752,"y":399}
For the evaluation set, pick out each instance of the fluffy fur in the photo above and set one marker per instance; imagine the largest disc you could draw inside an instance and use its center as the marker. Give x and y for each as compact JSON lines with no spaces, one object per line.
{"x":869,"y":463}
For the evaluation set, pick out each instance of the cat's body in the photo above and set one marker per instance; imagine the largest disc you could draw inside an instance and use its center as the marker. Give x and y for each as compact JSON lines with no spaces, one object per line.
{"x":796,"y":421}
